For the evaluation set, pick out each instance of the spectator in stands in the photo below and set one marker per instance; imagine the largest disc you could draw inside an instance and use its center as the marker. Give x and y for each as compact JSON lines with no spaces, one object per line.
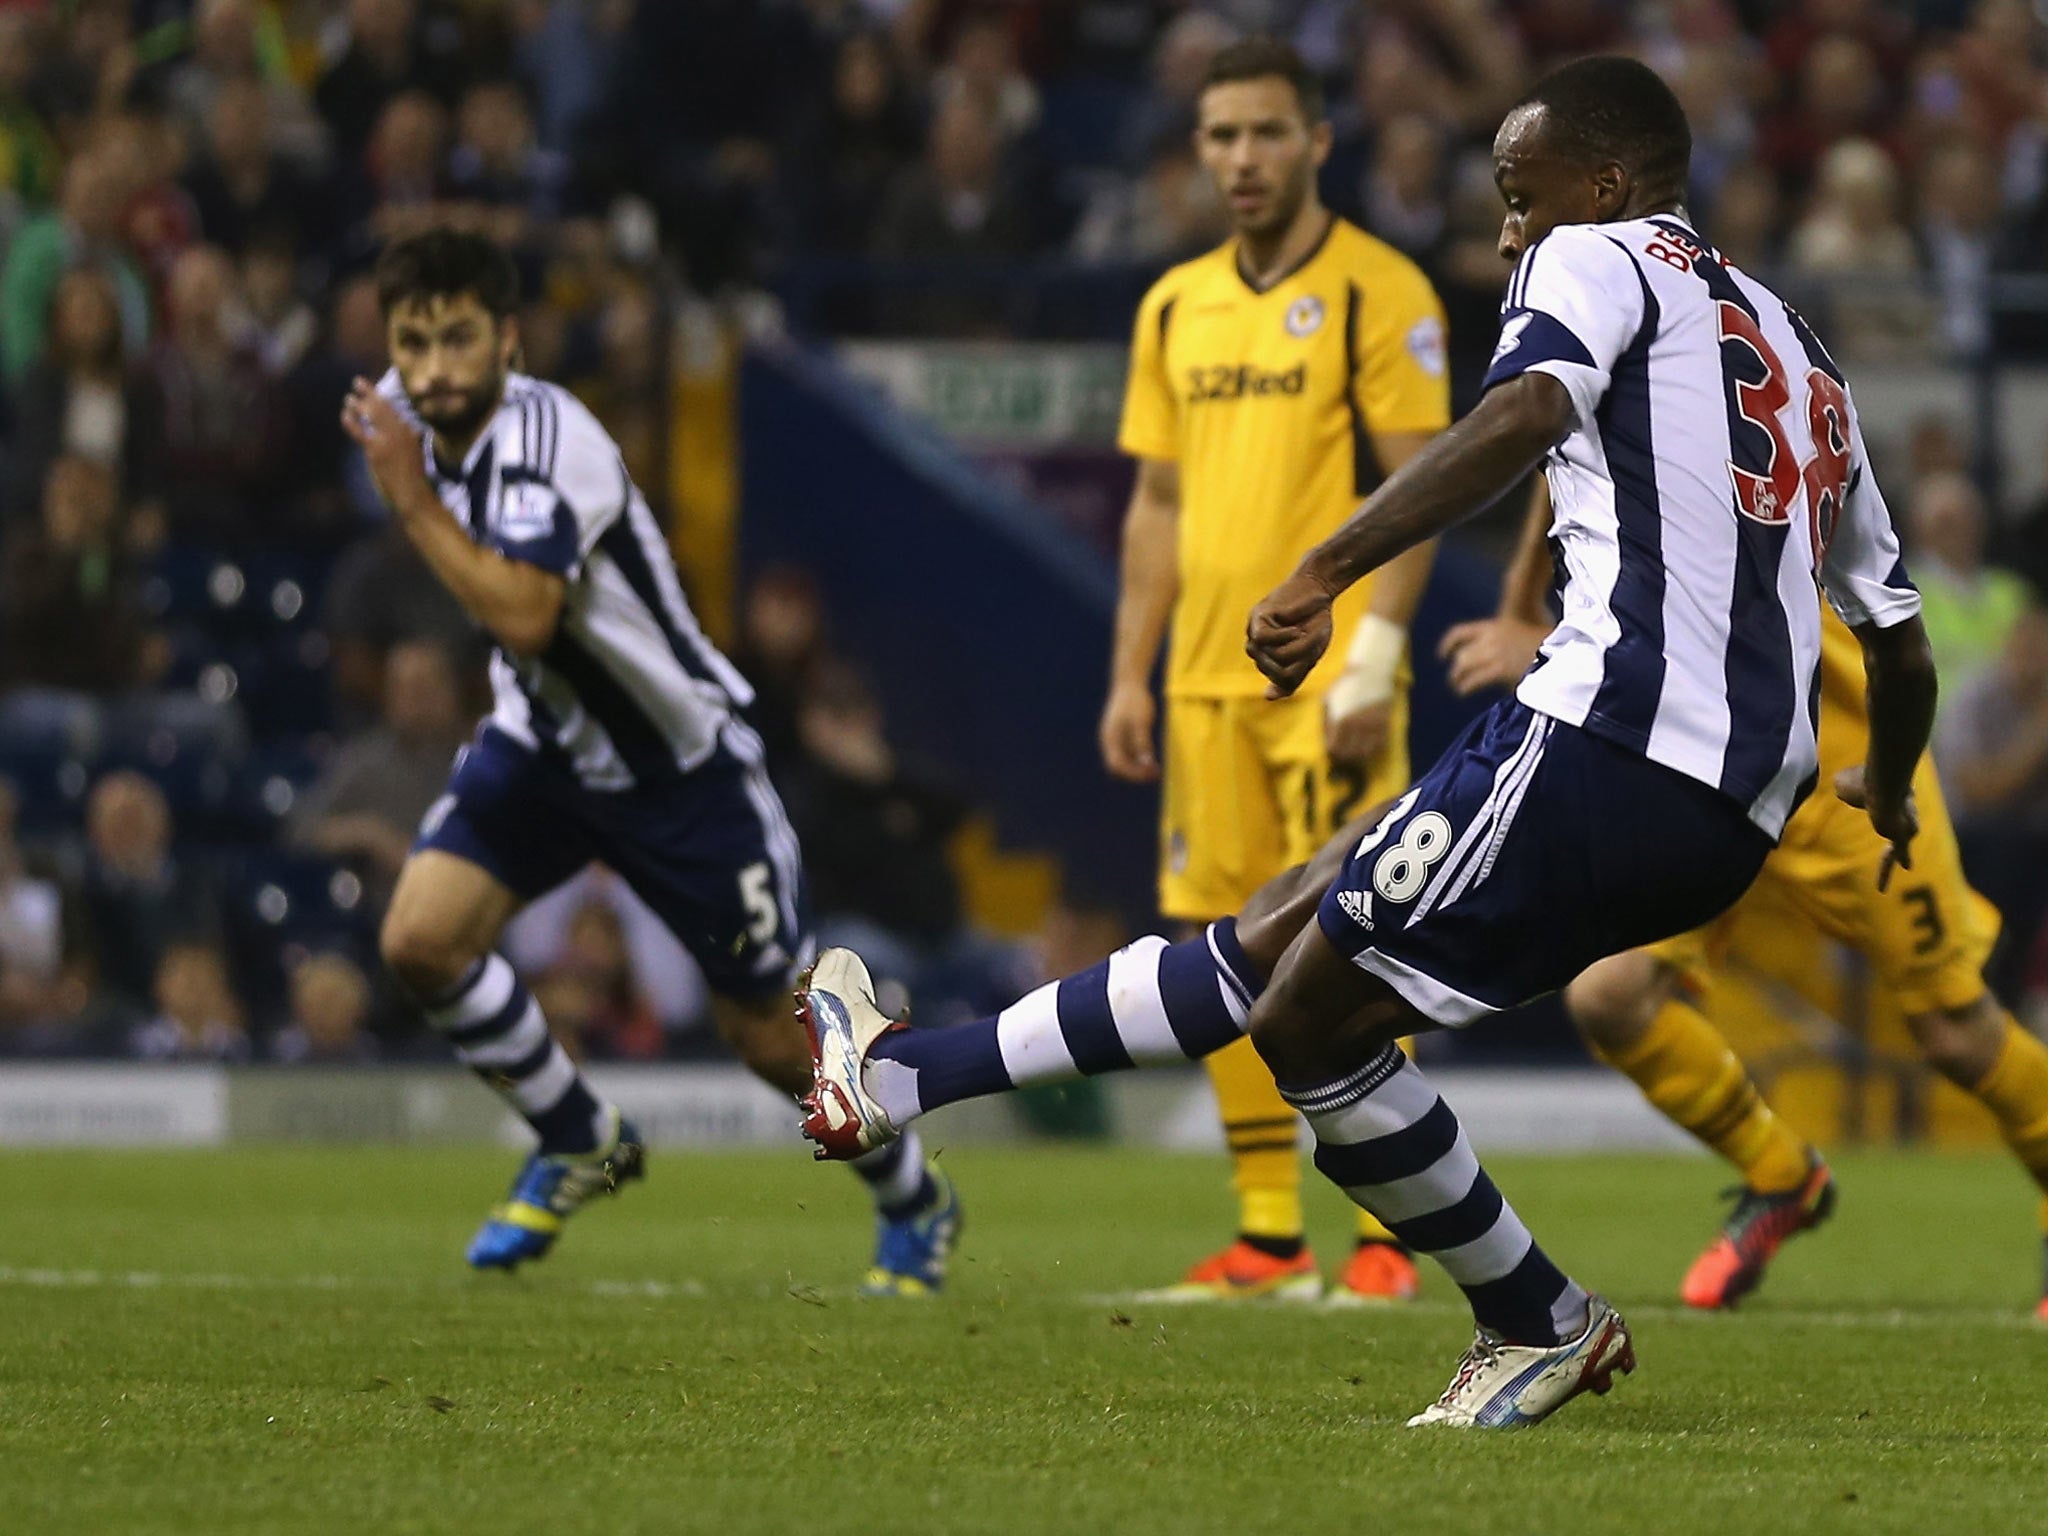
{"x":242,"y":185}
{"x":330,"y":1014}
{"x":1460,"y":63}
{"x":1745,"y":217}
{"x":161,"y":222}
{"x":1168,"y":215}
{"x":1852,"y":231}
{"x":848,"y":147}
{"x":368,"y":803}
{"x":782,"y":646}
{"x":224,"y":57}
{"x":29,"y":160}
{"x":1403,"y":194}
{"x":82,"y":401}
{"x":626,"y":390}
{"x":982,"y":66}
{"x":70,"y":613}
{"x":566,"y":52}
{"x":1959,"y":230}
{"x":1993,"y":752}
{"x":84,"y":230}
{"x":398,"y":188}
{"x":221,"y":431}
{"x":1166,"y":108}
{"x":279,"y":326}
{"x":394,"y":46}
{"x":956,"y":203}
{"x":543,"y":937}
{"x":876,"y":836}
{"x":141,"y":899}
{"x":44,"y":991}
{"x":1840,"y":95}
{"x":1968,"y":606}
{"x":198,"y":1015}
{"x":325,"y":479}
{"x":498,"y":174}
{"x":613,"y":1018}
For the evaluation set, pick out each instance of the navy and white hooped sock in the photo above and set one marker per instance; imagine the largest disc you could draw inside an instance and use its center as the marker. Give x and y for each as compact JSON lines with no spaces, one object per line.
{"x":1385,"y":1137}
{"x":898,"y":1177}
{"x":499,"y":1034}
{"x":1150,"y":1004}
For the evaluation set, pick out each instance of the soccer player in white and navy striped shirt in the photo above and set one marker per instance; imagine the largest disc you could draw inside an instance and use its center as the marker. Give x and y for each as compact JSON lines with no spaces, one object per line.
{"x":615,"y":735}
{"x":1705,"y":467}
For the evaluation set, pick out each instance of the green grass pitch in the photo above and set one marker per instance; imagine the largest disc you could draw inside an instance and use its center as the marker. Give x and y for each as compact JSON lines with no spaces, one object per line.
{"x":284,"y":1341}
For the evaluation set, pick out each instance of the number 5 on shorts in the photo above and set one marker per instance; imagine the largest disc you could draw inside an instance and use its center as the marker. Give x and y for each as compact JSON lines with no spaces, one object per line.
{"x":757,"y":896}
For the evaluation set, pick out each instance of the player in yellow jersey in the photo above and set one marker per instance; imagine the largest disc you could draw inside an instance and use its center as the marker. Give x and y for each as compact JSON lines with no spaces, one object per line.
{"x":1924,"y":931}
{"x":1273,"y":383}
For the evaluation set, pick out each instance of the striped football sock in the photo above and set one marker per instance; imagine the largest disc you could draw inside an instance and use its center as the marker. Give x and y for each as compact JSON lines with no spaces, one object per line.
{"x":898,"y":1176}
{"x":1149,"y":1004}
{"x":1388,"y":1141}
{"x":499,"y":1034}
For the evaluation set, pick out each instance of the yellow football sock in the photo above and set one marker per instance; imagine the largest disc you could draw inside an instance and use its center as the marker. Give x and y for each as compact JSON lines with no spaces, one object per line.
{"x":1688,"y":1072}
{"x":1260,"y":1128}
{"x":2016,"y":1091}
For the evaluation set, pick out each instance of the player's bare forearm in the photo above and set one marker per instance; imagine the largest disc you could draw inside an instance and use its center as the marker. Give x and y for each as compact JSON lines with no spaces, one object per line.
{"x":519,"y":604}
{"x":1466,"y":469}
{"x":1150,"y":578}
{"x":1903,"y":690}
{"x":1397,"y":591}
{"x":1473,"y":464}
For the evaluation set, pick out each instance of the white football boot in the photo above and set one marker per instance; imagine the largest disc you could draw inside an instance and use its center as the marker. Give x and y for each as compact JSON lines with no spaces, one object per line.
{"x":836,"y":1002}
{"x":1504,"y":1386}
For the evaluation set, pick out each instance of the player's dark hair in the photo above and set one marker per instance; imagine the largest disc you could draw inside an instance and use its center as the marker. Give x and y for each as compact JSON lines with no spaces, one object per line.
{"x":445,"y":264}
{"x":1612,"y":108}
{"x":1267,"y":58}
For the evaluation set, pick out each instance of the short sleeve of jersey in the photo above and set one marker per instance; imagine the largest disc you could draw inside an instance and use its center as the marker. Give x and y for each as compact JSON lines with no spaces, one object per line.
{"x":1404,"y":377}
{"x":1863,"y":572}
{"x":1571,"y":309}
{"x":564,"y":484}
{"x":1151,"y":421}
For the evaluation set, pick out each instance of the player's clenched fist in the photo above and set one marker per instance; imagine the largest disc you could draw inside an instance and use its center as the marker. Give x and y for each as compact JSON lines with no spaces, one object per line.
{"x":1289,"y":631}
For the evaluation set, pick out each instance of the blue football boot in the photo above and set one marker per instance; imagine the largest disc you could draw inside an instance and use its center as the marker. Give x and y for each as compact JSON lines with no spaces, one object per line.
{"x":550,"y":1188}
{"x":911,"y":1251}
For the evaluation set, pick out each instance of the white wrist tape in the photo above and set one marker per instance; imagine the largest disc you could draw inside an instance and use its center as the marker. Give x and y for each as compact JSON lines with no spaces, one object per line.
{"x":1370,"y":667}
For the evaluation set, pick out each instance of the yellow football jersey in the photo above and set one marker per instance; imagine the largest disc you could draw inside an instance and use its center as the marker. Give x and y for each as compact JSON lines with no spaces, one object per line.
{"x":1266,"y":401}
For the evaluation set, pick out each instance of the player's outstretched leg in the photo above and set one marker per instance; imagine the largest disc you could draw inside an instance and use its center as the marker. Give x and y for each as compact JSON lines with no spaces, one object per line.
{"x":917,"y":1211}
{"x":1385,"y":1137}
{"x":1150,"y":1003}
{"x":444,"y":912}
{"x":1628,"y":1010}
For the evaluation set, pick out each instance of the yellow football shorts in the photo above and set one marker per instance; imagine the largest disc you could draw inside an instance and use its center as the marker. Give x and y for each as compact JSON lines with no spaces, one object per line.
{"x":1250,"y":792}
{"x":1926,"y":937}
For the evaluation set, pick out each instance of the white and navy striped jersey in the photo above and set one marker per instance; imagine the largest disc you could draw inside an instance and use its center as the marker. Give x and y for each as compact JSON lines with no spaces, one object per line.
{"x":629,"y":690}
{"x":1715,"y":468}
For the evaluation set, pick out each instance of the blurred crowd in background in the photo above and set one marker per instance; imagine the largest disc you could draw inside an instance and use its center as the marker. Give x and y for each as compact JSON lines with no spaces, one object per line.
{"x":228,"y":691}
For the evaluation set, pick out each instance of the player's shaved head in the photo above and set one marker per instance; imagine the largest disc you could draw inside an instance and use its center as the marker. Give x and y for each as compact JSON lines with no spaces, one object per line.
{"x":1595,"y":141}
{"x":1614,"y":110}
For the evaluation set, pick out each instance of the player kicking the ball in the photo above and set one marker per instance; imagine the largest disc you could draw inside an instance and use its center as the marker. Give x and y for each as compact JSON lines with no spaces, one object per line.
{"x":1925,"y":935}
{"x":1705,"y":465}
{"x":614,"y":735}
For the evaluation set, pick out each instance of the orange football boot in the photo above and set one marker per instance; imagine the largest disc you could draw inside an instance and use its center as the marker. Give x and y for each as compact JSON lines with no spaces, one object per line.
{"x":1756,"y":1229}
{"x":1244,"y":1273}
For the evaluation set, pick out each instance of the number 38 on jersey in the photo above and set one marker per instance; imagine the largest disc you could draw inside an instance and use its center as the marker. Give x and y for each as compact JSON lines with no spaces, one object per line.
{"x":1769,"y":480}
